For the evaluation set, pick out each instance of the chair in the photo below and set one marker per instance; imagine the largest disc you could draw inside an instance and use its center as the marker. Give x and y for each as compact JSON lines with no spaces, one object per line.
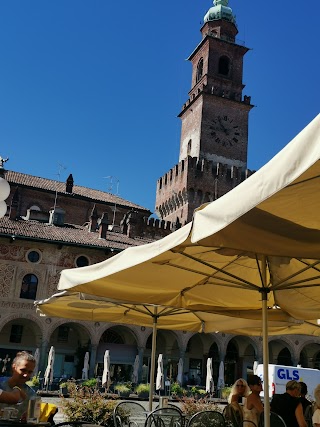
{"x":169,"y":405}
{"x":128,"y":413}
{"x":308,"y":415}
{"x":233,"y":416}
{"x":165,"y":417}
{"x":207,"y":419}
{"x":75,"y":424}
{"x":249,"y":423}
{"x":275,"y":420}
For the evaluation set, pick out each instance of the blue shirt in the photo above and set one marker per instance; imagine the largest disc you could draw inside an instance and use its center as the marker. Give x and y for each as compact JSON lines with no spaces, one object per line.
{"x":21,"y":406}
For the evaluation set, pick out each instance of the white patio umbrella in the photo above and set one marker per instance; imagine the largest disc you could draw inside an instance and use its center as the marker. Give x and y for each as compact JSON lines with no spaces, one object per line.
{"x":209,"y":377}
{"x":37,"y":358}
{"x":180,"y":371}
{"x":221,"y":375}
{"x":106,"y":370}
{"x":85,"y":369}
{"x":135,"y":373}
{"x":255,"y":367}
{"x":77,"y":305}
{"x":48,"y":375}
{"x":258,"y":246}
{"x":160,"y":377}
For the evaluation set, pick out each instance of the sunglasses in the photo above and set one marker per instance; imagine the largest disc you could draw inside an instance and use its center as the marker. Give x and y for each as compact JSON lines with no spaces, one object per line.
{"x":240,"y":385}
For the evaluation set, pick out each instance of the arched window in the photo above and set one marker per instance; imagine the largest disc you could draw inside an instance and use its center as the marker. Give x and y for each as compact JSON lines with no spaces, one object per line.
{"x":29,"y":287}
{"x":199,"y":70}
{"x":111,"y":336}
{"x":224,"y":65}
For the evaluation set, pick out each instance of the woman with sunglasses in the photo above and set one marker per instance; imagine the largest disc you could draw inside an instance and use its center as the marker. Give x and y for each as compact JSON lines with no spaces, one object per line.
{"x":253,"y":406}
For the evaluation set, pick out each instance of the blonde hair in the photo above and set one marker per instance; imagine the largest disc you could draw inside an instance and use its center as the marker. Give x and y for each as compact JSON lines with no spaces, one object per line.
{"x":316,"y":394}
{"x":23,"y":355}
{"x":234,"y":389}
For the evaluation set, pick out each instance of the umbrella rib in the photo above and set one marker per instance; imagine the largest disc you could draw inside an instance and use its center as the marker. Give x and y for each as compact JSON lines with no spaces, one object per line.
{"x":284,"y":285}
{"x":165,"y":311}
{"x":237,"y":283}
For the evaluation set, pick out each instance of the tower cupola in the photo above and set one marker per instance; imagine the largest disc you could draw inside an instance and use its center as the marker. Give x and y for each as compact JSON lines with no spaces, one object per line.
{"x":220,"y":10}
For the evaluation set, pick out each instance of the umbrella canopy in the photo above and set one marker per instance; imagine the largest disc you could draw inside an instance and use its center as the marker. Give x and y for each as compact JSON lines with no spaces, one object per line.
{"x":77,"y":305}
{"x":160,"y":377}
{"x":48,"y":375}
{"x":85,"y":369}
{"x":135,"y":373}
{"x":221,"y":375}
{"x":209,"y":377}
{"x":106,"y":370}
{"x":37,"y":359}
{"x":180,"y":371}
{"x":255,"y":367}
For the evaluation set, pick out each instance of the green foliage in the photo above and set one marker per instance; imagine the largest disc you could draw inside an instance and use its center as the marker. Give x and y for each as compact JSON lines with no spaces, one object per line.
{"x":177,"y":389}
{"x":225,"y":392}
{"x":92,"y":382}
{"x":88,"y":405}
{"x":35,"y":381}
{"x":196,"y":390}
{"x":123,"y":387}
{"x":191,"y":406}
{"x":142,"y":388}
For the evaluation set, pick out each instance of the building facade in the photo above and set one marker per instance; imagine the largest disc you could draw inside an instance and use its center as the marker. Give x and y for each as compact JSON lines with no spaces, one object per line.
{"x":50,"y":226}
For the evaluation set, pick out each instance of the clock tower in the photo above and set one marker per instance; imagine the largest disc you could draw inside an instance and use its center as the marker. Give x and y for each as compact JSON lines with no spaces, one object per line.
{"x":214,"y":131}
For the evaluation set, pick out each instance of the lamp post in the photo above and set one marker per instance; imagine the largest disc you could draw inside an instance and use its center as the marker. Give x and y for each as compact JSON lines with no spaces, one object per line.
{"x":4,"y":189}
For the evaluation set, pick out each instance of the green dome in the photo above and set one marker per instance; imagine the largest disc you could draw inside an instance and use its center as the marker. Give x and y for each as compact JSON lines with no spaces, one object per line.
{"x":220,"y":10}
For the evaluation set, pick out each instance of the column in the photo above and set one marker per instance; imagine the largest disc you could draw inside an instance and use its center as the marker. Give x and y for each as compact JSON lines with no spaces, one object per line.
{"x":92,"y":363}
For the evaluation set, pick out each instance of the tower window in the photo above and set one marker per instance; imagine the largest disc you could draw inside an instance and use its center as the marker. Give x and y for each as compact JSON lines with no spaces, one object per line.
{"x":29,"y":286}
{"x":199,"y":70}
{"x":224,"y":65}
{"x":189,"y":147}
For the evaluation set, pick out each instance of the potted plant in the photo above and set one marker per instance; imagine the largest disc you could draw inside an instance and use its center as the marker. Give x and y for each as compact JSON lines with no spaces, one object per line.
{"x":143,"y":390}
{"x":34,"y":383}
{"x":123,"y":389}
{"x":176,"y":389}
{"x":91,"y":383}
{"x":63,"y":387}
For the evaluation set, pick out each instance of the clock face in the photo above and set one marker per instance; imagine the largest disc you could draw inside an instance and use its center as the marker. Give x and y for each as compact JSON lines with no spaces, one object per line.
{"x":225,"y":131}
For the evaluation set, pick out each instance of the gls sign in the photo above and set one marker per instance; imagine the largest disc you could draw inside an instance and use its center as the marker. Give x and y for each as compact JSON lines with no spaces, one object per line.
{"x":284,"y":374}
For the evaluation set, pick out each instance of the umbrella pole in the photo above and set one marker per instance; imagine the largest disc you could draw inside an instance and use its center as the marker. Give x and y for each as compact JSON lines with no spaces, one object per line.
{"x":153,"y":357}
{"x":264,"y":293}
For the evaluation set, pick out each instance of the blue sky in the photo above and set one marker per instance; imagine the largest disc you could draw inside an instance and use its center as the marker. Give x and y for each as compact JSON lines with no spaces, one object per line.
{"x":94,"y":87}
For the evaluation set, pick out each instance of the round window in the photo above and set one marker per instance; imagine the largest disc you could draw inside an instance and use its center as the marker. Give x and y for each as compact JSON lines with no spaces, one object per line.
{"x":82,"y":261}
{"x":33,"y":256}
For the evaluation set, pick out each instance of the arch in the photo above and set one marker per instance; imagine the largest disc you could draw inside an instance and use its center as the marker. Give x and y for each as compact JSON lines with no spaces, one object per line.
{"x":280,"y":352}
{"x":224,"y":65}
{"x":18,"y":333}
{"x":231,"y":361}
{"x":121,"y":341}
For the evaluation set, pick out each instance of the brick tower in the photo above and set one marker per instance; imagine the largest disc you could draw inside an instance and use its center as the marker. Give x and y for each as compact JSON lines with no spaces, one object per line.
{"x":214,"y":132}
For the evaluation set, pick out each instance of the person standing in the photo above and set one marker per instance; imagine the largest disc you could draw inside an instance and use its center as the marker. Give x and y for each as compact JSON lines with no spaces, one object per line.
{"x":253,"y":406}
{"x":22,"y":368}
{"x":288,"y":405}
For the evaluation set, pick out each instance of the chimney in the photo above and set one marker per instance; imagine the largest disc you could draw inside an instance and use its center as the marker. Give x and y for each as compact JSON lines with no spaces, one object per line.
{"x":103,"y":226}
{"x":93,"y":219}
{"x":69,"y":184}
{"x":13,"y":213}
